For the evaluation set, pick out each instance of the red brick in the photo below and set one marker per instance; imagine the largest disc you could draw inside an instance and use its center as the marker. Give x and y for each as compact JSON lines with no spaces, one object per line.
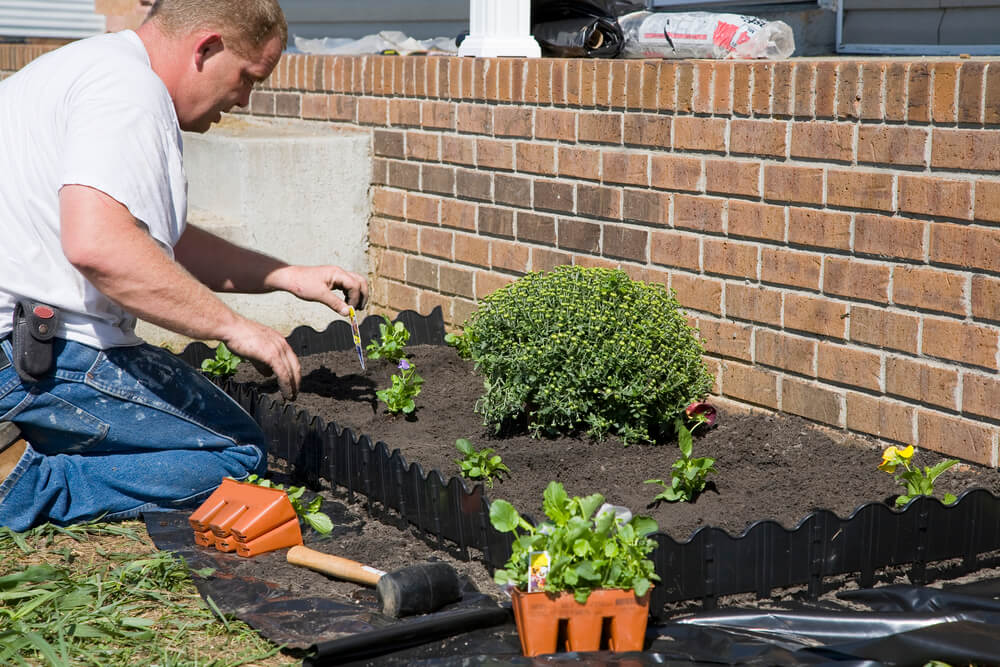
{"x":488,"y":282}
{"x":598,"y":201}
{"x":884,"y":419}
{"x":726,"y":339}
{"x":458,"y":150}
{"x":703,"y":84}
{"x":781,"y":90}
{"x":893,"y":144}
{"x":889,"y":237}
{"x":918,"y":99}
{"x":675,"y":249}
{"x":701,"y":214}
{"x":588,"y":72}
{"x":471,"y":184}
{"x":684,"y":74}
{"x":582,"y":163}
{"x":646,"y":206}
{"x":402,"y":236}
{"x":472,"y":250}
{"x":404,"y":112}
{"x":789,"y":353}
{"x":804,"y":74}
{"x":437,"y":179}
{"x":555,"y":124}
{"x":343,"y":108}
{"x":404,"y":175}
{"x":647,"y":130}
{"x":422,"y":208}
{"x":855,"y":279}
{"x":666,"y":94}
{"x":741,"y":88}
{"x":579,"y":235}
{"x":510,"y":256}
{"x":372,"y":111}
{"x":780,"y":266}
{"x":474,"y":119}
{"x":853,"y":188}
{"x":675,"y":172}
{"x":825,"y":89}
{"x":619,"y":82}
{"x":927,"y":195}
{"x":544,"y":259}
{"x":953,"y":436}
{"x":823,"y":229}
{"x":985,"y":298}
{"x":758,"y":221}
{"x":554,"y":196}
{"x":536,"y":228}
{"x":388,"y":202}
{"x":921,"y":381}
{"x":602,"y":84}
{"x":733,"y":177}
{"x":987,"y":206}
{"x":722,"y":101}
{"x":513,"y":121}
{"x":815,"y":315}
{"x":884,"y":329}
{"x":895,"y":91}
{"x":536,"y":158}
{"x":600,"y":127}
{"x":965,"y":247}
{"x":849,"y":366}
{"x":458,"y":214}
{"x":699,"y":293}
{"x":755,"y":304}
{"x":848,"y":97}
{"x":698,"y":133}
{"x":628,"y":168}
{"x":979,"y":395}
{"x":871,"y":83}
{"x":633,"y":84}
{"x":730,"y":258}
{"x":819,"y":140}
{"x":943,"y":99}
{"x":495,"y":154}
{"x":495,"y":221}
{"x":390,"y":265}
{"x":811,"y":401}
{"x":402,"y":297}
{"x":316,"y":106}
{"x":456,"y":280}
{"x":421,"y":272}
{"x":749,"y":384}
{"x":511,"y":190}
{"x":968,"y":150}
{"x":389,"y":143}
{"x":423,"y":146}
{"x":760,"y":98}
{"x":784,"y":183}
{"x":991,"y":104}
{"x":929,"y":289}
{"x":960,"y":341}
{"x":626,"y":243}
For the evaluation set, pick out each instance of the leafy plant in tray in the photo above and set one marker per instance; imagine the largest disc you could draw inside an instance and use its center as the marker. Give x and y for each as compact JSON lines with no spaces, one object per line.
{"x":311,"y":514}
{"x":405,"y":387}
{"x":917,"y":482}
{"x":584,"y":349}
{"x":482,"y":464}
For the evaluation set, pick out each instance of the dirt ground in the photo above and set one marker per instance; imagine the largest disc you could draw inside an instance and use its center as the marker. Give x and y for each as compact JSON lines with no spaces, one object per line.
{"x":769,"y":466}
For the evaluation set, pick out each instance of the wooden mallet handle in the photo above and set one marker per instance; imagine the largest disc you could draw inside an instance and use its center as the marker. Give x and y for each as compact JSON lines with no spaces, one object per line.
{"x":335,"y":566}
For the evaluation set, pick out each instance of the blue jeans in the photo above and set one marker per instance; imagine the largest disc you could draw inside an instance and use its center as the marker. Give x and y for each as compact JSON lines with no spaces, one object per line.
{"x":118,"y":432}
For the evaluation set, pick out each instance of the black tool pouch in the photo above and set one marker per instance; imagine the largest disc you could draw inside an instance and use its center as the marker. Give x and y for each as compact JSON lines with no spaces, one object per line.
{"x":35,"y":327}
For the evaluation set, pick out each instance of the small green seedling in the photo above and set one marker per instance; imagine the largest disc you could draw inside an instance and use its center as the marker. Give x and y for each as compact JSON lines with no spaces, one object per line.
{"x":393,"y":338}
{"x":461,"y":343}
{"x":479,"y":465}
{"x":223,"y":365}
{"x":405,"y":387}
{"x":687,"y":475}
{"x":917,"y":482}
{"x":310,"y":513}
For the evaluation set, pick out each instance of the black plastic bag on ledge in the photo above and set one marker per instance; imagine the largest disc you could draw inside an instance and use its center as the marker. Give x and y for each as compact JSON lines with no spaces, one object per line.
{"x":580,"y":28}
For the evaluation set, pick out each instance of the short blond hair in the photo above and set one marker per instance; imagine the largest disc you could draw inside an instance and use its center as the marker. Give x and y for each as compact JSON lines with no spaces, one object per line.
{"x":245,"y":24}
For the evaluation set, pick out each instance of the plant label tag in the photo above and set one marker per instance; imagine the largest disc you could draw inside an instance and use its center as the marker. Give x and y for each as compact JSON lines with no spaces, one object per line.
{"x":356,"y":333}
{"x":538,"y":570}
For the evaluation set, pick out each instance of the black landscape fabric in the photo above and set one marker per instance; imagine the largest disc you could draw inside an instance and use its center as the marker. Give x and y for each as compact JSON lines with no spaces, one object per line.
{"x":580,"y":28}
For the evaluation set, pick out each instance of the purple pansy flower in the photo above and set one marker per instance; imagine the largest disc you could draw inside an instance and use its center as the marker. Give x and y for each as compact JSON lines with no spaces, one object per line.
{"x":404,"y":365}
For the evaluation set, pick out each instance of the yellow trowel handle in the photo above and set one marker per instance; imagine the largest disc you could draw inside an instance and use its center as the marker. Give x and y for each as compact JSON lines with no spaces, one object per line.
{"x":335,"y":566}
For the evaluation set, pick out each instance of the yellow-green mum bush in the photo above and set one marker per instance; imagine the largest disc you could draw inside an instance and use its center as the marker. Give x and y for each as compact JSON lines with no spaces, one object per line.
{"x":587,"y":350}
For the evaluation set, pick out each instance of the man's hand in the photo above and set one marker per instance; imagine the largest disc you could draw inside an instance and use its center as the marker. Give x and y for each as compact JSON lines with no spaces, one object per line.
{"x":317,"y":283}
{"x":263,"y":345}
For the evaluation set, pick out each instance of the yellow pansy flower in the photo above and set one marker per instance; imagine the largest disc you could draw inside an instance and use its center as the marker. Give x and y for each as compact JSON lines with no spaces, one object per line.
{"x":894,"y":456}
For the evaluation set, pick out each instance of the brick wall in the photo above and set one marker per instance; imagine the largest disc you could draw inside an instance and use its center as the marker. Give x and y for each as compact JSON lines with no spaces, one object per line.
{"x":831,"y":226}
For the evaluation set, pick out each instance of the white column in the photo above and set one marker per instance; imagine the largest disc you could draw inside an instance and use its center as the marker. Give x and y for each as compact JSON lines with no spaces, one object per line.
{"x":500,"y":28}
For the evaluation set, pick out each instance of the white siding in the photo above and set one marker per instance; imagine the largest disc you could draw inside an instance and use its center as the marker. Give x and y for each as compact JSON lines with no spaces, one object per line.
{"x":420,"y":19}
{"x":49,"y":18}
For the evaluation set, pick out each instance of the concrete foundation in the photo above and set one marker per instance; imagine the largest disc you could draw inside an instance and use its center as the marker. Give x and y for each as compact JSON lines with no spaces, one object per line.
{"x":292,"y":189}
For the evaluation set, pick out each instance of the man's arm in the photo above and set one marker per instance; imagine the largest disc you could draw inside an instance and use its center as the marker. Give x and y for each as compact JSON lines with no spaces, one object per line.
{"x":227,"y":267}
{"x":106,"y":244}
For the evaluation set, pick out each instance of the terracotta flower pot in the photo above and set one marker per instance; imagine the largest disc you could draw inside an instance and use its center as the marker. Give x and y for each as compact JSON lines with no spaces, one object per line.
{"x":539,"y":616}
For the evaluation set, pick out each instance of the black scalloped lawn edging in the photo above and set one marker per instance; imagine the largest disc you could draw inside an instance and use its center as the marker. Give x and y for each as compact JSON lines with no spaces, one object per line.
{"x":709,"y":564}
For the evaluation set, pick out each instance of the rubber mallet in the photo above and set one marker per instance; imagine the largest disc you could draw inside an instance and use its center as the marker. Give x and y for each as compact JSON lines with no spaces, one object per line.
{"x":416,"y":589}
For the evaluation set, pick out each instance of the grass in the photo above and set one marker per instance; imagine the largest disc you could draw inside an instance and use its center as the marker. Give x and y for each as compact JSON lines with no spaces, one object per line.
{"x":101,"y":594}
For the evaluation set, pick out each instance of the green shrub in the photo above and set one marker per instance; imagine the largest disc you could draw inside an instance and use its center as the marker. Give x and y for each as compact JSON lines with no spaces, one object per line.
{"x":585,"y":349}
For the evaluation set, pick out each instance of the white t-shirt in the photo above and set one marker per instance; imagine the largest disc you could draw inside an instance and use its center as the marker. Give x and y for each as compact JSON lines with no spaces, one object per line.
{"x":90,"y":113}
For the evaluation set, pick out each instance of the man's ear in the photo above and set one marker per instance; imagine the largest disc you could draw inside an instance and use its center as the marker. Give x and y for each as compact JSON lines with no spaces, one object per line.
{"x":206,"y":46}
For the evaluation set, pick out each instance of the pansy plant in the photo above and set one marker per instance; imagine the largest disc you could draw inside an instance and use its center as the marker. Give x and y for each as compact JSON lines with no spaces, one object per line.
{"x":917,"y":482}
{"x":405,"y":387}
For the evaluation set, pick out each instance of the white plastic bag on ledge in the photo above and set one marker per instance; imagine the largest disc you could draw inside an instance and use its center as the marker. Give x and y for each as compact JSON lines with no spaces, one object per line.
{"x":704,"y":35}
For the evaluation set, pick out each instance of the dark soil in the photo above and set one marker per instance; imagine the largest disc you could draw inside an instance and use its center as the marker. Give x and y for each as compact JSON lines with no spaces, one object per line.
{"x":769,"y":466}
